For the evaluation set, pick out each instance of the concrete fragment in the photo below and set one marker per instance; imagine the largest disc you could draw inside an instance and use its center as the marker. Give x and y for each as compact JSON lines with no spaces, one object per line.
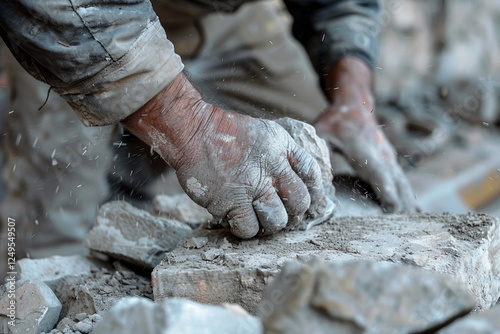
{"x":487,"y":322}
{"x":37,"y":309}
{"x":360,"y":297}
{"x":53,"y":270}
{"x":466,"y":248}
{"x":84,"y":327}
{"x":182,"y":208}
{"x":65,"y":323}
{"x":133,"y":235}
{"x":139,"y":315}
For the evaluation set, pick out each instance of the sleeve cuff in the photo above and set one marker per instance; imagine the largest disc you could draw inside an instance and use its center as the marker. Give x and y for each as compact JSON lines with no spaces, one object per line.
{"x":125,"y":85}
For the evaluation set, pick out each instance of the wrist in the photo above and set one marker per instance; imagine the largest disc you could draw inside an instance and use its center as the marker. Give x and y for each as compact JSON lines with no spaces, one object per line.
{"x":349,"y":82}
{"x":170,"y":119}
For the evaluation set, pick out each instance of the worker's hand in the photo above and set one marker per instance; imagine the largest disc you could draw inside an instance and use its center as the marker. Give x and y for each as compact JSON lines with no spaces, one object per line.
{"x":247,"y":170}
{"x":349,"y":126}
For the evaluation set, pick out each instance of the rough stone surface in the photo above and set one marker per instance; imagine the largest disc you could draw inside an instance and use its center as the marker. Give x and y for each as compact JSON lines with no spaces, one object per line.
{"x":37,"y":308}
{"x":360,"y":297}
{"x":133,"y":235}
{"x":478,"y":323}
{"x":464,"y":247}
{"x":139,"y":315}
{"x":182,"y":208}
{"x":54,"y":270}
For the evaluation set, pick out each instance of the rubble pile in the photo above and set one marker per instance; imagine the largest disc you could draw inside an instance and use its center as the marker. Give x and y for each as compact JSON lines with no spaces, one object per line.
{"x":390,"y":274}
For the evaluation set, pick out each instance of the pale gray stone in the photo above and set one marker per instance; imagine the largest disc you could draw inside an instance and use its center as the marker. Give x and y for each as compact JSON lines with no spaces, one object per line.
{"x":83,"y":327}
{"x":53,"y":270}
{"x":133,"y":235}
{"x":487,"y":322}
{"x":360,"y":297}
{"x":37,"y":308}
{"x":181,"y":208}
{"x":65,"y":323}
{"x":466,"y":248}
{"x":139,"y":315}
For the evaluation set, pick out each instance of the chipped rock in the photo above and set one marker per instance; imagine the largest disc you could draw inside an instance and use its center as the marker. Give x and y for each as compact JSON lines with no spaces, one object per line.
{"x":65,"y":323}
{"x":139,"y":315}
{"x":37,"y":308}
{"x":132,"y":235}
{"x":466,"y":248}
{"x":360,"y":297}
{"x":181,"y":208}
{"x":80,"y":316}
{"x":211,"y":254}
{"x":83,"y":327}
{"x":55,"y":269}
{"x":196,"y":242}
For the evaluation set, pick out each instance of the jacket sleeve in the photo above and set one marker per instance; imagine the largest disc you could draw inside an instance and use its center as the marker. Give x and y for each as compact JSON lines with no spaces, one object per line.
{"x":331,"y":29}
{"x":105,"y":58}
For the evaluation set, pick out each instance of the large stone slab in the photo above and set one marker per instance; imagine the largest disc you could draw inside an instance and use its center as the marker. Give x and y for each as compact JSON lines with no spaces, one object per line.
{"x":133,"y":235}
{"x":464,"y":247}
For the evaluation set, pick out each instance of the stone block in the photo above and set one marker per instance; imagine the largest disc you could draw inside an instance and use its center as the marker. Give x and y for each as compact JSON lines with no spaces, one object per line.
{"x":466,"y":248}
{"x":37,"y":308}
{"x":133,"y":235}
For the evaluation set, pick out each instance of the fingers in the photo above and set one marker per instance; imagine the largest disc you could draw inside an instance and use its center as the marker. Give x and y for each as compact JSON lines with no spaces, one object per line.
{"x":265,"y":214}
{"x":295,"y":197}
{"x":308,"y":170}
{"x":270,"y":212}
{"x":243,"y":221}
{"x":390,"y":184}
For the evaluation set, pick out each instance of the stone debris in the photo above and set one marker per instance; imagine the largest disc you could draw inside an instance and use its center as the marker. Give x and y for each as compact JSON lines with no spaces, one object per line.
{"x":98,"y":292}
{"x":133,"y":235}
{"x":54,"y":270}
{"x":478,"y":323}
{"x":466,"y":248}
{"x":79,"y":324}
{"x":37,"y":308}
{"x":139,"y":315}
{"x":360,"y":297}
{"x":182,"y":208}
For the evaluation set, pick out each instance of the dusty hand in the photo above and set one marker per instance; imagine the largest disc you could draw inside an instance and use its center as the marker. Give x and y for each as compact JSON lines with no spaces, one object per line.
{"x":349,"y":126}
{"x":247,"y":170}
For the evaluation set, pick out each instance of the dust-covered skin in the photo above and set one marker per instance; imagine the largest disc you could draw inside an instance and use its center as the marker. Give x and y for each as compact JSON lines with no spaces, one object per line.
{"x":350,"y":127}
{"x":246,"y":170}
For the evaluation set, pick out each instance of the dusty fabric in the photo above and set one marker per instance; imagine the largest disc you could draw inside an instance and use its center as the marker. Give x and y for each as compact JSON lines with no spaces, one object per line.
{"x":106,"y":59}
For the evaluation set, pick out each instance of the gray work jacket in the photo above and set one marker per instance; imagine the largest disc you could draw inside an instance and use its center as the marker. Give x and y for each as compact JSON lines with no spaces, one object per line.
{"x":108,"y":58}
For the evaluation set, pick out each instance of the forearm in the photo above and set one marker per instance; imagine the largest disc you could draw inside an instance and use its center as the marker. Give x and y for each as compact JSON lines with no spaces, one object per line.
{"x":350,"y":81}
{"x":333,"y":29}
{"x":170,"y":119}
{"x":107,"y":59}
